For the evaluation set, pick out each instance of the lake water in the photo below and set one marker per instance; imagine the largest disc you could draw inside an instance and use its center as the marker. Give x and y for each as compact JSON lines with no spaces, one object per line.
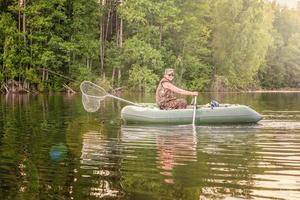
{"x":50,"y":148}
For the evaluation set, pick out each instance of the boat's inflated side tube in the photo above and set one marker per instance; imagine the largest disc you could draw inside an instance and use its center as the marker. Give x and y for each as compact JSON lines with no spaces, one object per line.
{"x":223,"y":114}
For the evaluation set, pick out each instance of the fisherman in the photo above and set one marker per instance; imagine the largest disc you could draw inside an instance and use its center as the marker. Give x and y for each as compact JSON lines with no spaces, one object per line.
{"x":166,"y":93}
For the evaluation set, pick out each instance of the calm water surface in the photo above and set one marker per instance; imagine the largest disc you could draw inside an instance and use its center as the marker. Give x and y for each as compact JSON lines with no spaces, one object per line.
{"x":50,"y":148}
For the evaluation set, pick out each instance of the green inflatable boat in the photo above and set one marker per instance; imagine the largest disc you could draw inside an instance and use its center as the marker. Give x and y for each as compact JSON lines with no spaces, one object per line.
{"x":223,"y":114}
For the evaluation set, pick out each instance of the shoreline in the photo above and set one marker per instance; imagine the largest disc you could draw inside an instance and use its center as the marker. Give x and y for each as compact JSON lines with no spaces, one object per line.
{"x":241,"y":91}
{"x":273,"y":91}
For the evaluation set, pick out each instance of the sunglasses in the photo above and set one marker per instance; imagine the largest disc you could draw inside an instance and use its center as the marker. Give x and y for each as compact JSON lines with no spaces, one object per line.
{"x":170,"y":74}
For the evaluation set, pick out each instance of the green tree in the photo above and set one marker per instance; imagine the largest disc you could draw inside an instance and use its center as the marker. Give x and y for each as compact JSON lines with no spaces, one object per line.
{"x":47,"y":32}
{"x":9,"y":51}
{"x":241,"y":37}
{"x":142,"y":78}
{"x":85,"y":33}
{"x":291,"y":60}
{"x":271,"y":74}
{"x":191,"y":45}
{"x":282,"y":63}
{"x":148,"y":26}
{"x":212,"y":44}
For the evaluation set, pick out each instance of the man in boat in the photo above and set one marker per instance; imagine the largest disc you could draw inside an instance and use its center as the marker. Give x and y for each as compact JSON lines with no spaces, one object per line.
{"x":166,"y":93}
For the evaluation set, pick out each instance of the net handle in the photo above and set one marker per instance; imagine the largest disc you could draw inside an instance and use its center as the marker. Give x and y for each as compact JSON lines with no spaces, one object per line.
{"x":106,"y":94}
{"x":124,"y":100}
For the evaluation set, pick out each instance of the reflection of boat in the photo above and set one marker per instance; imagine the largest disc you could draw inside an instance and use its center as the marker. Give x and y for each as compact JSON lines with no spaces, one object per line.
{"x":169,"y":152}
{"x":224,"y":114}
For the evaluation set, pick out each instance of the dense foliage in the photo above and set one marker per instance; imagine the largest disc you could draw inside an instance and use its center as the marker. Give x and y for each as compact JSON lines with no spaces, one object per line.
{"x":212,"y":44}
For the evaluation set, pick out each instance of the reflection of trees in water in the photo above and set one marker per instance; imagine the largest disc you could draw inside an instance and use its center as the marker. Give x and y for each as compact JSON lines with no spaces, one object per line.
{"x":97,"y":171}
{"x":141,"y":161}
{"x":230,"y":157}
{"x":28,"y":132}
{"x":215,"y":163}
{"x":18,"y":174}
{"x":41,"y":144}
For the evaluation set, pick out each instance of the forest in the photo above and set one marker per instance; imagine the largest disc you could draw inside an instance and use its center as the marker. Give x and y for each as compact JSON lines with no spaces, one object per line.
{"x":213,"y":45}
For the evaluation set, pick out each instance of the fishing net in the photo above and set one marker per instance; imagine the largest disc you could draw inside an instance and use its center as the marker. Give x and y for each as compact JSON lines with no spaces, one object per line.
{"x":92,"y":95}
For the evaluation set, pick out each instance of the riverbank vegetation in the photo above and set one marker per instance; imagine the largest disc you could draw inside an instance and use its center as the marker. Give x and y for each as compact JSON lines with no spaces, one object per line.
{"x":46,"y":45}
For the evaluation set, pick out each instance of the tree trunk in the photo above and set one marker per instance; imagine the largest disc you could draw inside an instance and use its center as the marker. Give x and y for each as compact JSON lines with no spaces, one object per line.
{"x":160,"y":34}
{"x":19,"y":83}
{"x":113,"y":77}
{"x":47,"y":75}
{"x":111,"y":21}
{"x":140,"y":86}
{"x":181,"y":65}
{"x":119,"y":77}
{"x":24,"y":21}
{"x":6,"y":88}
{"x":117,"y":29}
{"x":43,"y":75}
{"x":101,"y":38}
{"x":73,"y":57}
{"x":19,"y":16}
{"x":30,"y":31}
{"x":69,"y":89}
{"x":121,"y":33}
{"x":107,"y":23}
{"x":120,"y":43}
{"x":26,"y":85}
{"x":102,"y":48}
{"x":13,"y":87}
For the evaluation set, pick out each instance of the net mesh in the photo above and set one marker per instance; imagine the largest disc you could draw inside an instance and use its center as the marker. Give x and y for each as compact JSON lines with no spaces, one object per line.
{"x":92,"y":95}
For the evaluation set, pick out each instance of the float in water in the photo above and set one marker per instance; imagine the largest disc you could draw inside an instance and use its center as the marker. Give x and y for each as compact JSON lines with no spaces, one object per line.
{"x":223,"y":114}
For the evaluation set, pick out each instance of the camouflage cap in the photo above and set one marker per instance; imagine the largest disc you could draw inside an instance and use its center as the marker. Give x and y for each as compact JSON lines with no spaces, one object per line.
{"x":169,"y":71}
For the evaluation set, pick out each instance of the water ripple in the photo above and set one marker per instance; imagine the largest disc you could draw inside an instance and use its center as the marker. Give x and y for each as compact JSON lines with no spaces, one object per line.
{"x":93,"y":156}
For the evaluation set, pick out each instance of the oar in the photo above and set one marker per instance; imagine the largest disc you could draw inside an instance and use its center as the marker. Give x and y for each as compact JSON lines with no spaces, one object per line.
{"x":195,"y":107}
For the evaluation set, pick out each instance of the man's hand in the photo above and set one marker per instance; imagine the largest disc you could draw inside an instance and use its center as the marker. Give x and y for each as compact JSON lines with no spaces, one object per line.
{"x":195,"y":93}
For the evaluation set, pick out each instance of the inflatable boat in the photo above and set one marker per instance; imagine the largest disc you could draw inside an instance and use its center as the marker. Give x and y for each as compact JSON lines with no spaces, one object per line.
{"x":223,"y":114}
